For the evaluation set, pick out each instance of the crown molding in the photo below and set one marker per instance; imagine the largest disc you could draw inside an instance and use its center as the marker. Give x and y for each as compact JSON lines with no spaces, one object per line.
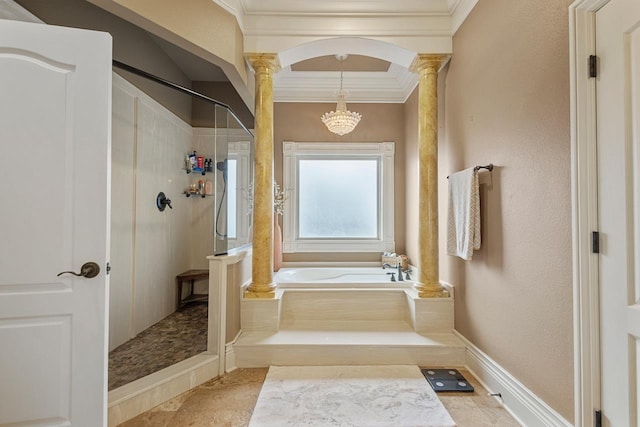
{"x":392,"y":31}
{"x":235,"y":8}
{"x":459,"y":10}
{"x":345,"y":6}
{"x":257,"y":17}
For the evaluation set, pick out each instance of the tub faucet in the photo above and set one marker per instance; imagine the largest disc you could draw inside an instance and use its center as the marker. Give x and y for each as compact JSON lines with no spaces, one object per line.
{"x":399,"y":266}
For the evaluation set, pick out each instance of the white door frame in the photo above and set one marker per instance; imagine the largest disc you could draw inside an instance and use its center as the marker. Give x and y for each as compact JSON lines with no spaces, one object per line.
{"x":584,"y":201}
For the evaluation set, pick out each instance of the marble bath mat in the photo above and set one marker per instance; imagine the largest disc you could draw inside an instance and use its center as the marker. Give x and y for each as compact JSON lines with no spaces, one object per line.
{"x":362,"y":396}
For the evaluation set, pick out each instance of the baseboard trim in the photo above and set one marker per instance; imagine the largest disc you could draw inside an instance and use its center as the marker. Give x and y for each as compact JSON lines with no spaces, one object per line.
{"x":230,"y":355}
{"x":527,"y":408}
{"x":138,"y":396}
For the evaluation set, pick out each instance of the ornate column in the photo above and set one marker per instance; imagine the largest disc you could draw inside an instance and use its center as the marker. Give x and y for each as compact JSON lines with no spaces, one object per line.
{"x":427,"y":66}
{"x":262,"y":286}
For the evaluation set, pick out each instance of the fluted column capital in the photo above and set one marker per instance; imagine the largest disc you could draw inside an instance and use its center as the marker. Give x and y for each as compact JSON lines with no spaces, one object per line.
{"x":429,"y":62}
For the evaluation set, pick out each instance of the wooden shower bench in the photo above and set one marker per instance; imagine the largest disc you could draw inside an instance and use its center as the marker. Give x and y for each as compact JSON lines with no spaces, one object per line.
{"x":190,"y":276}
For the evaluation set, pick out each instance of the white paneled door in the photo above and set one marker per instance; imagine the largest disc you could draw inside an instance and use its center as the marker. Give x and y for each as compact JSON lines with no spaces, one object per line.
{"x":55,"y":124}
{"x":618,"y":136}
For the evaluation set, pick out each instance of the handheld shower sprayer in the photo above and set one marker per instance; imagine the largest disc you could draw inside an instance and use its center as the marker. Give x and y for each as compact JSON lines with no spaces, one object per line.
{"x":222,"y":167}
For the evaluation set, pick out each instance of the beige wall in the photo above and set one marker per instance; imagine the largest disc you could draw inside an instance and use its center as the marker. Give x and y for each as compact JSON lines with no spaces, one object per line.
{"x":300,"y":122}
{"x":507,"y":102}
{"x":411,"y":178}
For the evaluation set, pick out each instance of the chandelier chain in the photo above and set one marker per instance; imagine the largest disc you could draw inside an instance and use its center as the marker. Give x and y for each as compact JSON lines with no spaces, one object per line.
{"x":341,"y":121}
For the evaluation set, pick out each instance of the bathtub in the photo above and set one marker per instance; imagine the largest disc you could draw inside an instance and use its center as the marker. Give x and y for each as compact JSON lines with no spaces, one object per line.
{"x":338,"y":277}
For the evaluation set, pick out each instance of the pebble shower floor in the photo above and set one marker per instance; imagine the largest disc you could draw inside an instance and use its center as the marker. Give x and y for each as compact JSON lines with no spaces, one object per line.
{"x":177,"y":337}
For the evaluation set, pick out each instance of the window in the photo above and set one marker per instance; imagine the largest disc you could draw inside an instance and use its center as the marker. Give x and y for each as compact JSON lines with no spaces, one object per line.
{"x":339,"y":197}
{"x":238,"y":175}
{"x":231,"y":176}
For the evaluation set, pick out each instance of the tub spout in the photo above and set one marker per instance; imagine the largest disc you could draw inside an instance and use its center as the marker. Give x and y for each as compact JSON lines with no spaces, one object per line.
{"x":399,"y":266}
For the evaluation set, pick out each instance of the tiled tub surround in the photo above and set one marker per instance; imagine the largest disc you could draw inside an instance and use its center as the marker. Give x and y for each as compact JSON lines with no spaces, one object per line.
{"x":347,"y":323}
{"x":340,"y":277}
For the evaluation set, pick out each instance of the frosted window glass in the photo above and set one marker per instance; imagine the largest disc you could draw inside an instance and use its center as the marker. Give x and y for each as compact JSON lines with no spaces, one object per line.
{"x":338,"y":199}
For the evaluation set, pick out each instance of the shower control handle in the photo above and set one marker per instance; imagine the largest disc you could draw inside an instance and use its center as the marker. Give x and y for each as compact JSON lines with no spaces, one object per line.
{"x":162,"y":202}
{"x":88,"y":270}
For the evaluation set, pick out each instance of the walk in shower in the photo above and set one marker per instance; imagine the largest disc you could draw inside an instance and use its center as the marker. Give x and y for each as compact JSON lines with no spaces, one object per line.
{"x":205,"y":170}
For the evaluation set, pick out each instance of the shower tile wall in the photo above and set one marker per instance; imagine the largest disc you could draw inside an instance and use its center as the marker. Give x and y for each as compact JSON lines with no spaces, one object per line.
{"x":122,"y":214}
{"x":162,"y":247}
{"x":148,"y":248}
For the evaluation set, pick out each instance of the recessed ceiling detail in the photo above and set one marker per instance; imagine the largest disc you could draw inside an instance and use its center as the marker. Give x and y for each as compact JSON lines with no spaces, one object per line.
{"x":362,"y":80}
{"x":306,"y":33}
{"x":352,"y":63}
{"x":394,"y":86}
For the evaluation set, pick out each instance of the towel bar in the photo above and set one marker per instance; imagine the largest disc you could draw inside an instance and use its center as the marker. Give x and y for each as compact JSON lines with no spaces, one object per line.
{"x":488,"y":167}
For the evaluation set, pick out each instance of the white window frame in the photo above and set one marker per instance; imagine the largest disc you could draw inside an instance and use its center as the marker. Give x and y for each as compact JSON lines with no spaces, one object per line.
{"x":241,"y":152}
{"x":293,"y":152}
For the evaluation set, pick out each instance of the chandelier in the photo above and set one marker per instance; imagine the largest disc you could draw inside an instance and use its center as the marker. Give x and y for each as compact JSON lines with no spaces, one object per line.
{"x":341,"y":121}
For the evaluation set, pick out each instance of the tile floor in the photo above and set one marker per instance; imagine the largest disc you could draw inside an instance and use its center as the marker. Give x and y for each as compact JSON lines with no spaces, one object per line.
{"x":229,"y":400}
{"x":177,"y":337}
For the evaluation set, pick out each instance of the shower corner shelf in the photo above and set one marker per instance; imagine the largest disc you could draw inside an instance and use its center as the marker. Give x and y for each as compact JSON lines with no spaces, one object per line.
{"x":196,"y":171}
{"x":188,"y":194}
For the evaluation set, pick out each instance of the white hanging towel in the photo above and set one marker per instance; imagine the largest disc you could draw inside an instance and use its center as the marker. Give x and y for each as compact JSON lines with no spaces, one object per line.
{"x":463,"y":219}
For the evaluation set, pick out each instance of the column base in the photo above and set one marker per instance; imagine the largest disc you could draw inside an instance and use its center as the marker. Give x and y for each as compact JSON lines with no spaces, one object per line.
{"x":432,"y":290}
{"x":261,"y":291}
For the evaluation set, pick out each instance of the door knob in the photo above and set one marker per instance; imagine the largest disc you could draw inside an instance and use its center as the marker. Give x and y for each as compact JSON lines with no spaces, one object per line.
{"x":88,"y":270}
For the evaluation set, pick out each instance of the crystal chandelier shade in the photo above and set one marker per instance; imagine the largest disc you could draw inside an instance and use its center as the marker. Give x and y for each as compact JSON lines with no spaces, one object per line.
{"x":341,"y":121}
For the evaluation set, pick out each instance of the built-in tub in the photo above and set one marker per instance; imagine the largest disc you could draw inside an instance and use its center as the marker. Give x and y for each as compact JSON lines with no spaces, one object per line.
{"x":339,"y":277}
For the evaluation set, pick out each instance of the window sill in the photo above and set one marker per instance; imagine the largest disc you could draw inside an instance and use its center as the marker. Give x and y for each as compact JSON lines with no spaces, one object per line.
{"x":292,"y":246}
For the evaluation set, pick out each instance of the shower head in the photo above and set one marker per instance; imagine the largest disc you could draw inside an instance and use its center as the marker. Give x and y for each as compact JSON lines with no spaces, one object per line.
{"x":222,"y":167}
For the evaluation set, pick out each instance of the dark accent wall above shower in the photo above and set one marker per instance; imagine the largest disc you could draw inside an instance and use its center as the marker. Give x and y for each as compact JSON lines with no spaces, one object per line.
{"x":131,"y":45}
{"x":202,"y":112}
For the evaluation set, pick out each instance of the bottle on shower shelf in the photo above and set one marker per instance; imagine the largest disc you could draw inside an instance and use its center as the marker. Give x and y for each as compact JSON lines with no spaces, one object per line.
{"x":193,"y":160}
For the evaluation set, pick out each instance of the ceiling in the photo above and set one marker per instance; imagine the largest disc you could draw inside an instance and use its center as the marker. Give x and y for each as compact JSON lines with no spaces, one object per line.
{"x":295,"y":29}
{"x":350,"y":63}
{"x":344,"y":6}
